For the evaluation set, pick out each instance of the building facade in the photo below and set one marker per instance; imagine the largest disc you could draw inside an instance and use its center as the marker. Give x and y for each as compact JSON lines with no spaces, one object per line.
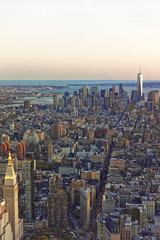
{"x":6,"y":232}
{"x":11,"y":199}
{"x":57,"y":204}
{"x":85,"y":206}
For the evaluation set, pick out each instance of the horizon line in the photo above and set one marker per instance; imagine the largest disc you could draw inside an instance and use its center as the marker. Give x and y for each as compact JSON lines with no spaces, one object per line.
{"x":76,"y":80}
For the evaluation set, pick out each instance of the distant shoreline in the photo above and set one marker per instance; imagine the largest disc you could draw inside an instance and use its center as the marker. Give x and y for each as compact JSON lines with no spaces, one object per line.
{"x":62,"y":84}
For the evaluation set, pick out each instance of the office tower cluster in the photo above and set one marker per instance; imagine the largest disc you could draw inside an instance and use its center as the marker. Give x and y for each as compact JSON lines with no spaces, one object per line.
{"x":90,"y":98}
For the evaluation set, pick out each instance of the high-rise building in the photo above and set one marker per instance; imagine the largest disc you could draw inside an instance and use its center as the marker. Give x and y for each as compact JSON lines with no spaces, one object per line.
{"x":92,"y":196}
{"x":11,"y":199}
{"x":111,"y":94}
{"x":101,"y":228}
{"x":116,"y":97}
{"x":73,"y":102}
{"x":125,"y":197}
{"x":57,"y":204}
{"x":92,"y":100}
{"x":114,"y":89}
{"x":153,"y":96}
{"x":56,"y":131}
{"x":20,"y":150}
{"x":134,"y":96}
{"x":108,"y":205}
{"x":76,"y":186}
{"x":55,"y":101}
{"x":83,"y":94}
{"x":104,"y":93}
{"x":140,"y":84}
{"x":78,"y":102}
{"x":50,"y":151}
{"x":29,"y":186}
{"x":27,"y":105}
{"x":6,"y":232}
{"x":120,"y":88}
{"x":113,"y":223}
{"x":149,"y":205}
{"x":107,"y":102}
{"x":94,"y":90}
{"x":85,"y":206}
{"x":4,"y":148}
{"x":61,"y":102}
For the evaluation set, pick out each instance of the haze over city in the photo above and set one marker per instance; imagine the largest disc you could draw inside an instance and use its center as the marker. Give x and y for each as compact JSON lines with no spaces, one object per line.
{"x":74,"y":40}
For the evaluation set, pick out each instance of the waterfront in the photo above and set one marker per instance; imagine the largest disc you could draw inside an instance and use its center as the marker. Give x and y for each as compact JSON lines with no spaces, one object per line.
{"x":41,"y":88}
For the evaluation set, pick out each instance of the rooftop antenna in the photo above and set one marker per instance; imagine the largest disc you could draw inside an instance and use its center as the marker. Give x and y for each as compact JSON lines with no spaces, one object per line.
{"x":139,"y":68}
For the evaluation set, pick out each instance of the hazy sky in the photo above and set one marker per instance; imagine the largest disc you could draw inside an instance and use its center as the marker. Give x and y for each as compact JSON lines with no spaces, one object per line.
{"x":79,"y":39}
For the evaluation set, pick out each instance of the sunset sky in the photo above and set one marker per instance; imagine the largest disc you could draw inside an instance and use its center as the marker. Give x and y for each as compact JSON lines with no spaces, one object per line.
{"x":79,"y":39}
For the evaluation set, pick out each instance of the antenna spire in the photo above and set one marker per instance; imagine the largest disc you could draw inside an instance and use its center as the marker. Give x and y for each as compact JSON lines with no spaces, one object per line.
{"x":139,"y":68}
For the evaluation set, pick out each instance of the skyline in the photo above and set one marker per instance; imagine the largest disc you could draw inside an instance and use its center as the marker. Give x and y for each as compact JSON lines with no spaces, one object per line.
{"x":75,"y":40}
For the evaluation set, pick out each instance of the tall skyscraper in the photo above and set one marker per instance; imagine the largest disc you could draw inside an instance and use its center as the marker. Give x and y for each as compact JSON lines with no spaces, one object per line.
{"x":56,"y":131}
{"x":83,"y":94}
{"x":57,"y":203}
{"x":85,"y":206}
{"x":73,"y":101}
{"x":121,"y":92}
{"x":20,"y":150}
{"x":29,"y":185}
{"x":153,"y":96}
{"x":107,"y":102}
{"x":11,"y":199}
{"x":50,"y":151}
{"x":140,"y":84}
{"x":55,"y":101}
{"x":92,"y":100}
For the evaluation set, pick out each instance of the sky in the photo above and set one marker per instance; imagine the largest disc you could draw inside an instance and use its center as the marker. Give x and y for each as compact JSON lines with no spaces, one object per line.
{"x":79,"y":39}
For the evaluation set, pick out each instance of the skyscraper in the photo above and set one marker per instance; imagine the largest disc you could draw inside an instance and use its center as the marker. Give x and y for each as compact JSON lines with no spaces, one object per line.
{"x":50,"y":151}
{"x":83,"y":94}
{"x":73,"y":102}
{"x":57,"y":203}
{"x":153,"y":96}
{"x":140,"y":84}
{"x":85,"y":206}
{"x":20,"y":150}
{"x":121,"y":92}
{"x":55,"y":101}
{"x":29,"y":184}
{"x":11,"y":199}
{"x":56,"y":131}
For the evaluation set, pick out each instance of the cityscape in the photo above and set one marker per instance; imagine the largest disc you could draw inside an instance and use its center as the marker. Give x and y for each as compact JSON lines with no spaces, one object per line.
{"x":80,"y":164}
{"x":79,"y":120}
